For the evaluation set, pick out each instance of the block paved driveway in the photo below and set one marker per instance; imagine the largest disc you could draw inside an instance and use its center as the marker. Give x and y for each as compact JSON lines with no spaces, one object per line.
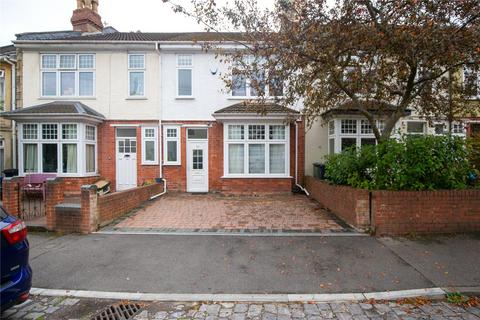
{"x":212,"y":212}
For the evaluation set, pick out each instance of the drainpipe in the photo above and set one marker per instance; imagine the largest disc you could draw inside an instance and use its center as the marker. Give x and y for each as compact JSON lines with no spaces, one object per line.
{"x":296,"y":160}
{"x":160,"y":132}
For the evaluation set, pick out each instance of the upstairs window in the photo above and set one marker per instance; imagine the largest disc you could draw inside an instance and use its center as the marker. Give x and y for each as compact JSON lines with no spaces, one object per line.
{"x":184,"y":75}
{"x":136,"y":75}
{"x":2,"y":90}
{"x":471,"y":81}
{"x":416,"y":127}
{"x":67,"y":75}
{"x":254,"y":84}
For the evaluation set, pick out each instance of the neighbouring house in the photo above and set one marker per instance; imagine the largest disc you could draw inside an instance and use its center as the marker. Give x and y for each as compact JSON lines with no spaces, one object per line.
{"x":340,"y":128}
{"x":132,"y":107}
{"x":7,"y":103}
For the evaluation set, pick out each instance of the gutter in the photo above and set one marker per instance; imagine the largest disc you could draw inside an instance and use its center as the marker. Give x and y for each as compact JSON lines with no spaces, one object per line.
{"x":49,"y":116}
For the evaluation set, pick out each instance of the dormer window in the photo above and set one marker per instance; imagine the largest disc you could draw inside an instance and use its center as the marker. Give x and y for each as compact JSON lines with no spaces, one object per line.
{"x":67,"y":75}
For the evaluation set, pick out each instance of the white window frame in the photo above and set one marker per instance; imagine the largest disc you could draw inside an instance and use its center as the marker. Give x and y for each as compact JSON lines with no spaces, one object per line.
{"x":337,"y":134}
{"x":248,"y":81}
{"x":2,"y":90}
{"x":80,"y":141}
{"x":155,"y":143}
{"x":136,"y":70}
{"x":425,"y":127}
{"x":246,"y":142}
{"x":457,"y":124}
{"x":76,"y":70}
{"x":469,"y":69}
{"x":2,"y":148}
{"x":165,"y":145}
{"x":181,"y":67}
{"x":93,"y":143}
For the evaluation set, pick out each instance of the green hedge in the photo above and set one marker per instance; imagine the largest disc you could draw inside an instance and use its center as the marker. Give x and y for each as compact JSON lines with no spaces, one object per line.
{"x":411,"y":163}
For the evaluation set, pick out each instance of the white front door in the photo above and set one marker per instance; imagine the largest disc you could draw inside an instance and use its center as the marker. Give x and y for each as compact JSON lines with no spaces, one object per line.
{"x":197,"y":166}
{"x":126,"y":142}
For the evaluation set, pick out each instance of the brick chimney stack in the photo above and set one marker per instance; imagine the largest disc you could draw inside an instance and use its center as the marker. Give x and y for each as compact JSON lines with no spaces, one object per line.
{"x":86,"y":18}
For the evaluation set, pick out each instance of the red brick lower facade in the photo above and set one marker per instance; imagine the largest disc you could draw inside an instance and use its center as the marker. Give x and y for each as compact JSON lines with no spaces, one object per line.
{"x":107,"y":152}
{"x":176,"y":175}
{"x":66,"y":188}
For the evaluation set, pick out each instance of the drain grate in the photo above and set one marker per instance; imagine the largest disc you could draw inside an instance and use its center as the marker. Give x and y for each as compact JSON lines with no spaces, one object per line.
{"x":118,"y":311}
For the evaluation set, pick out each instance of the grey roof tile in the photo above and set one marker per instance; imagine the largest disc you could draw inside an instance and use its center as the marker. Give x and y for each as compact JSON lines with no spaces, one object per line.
{"x":57,"y":107}
{"x":111,"y":34}
{"x":256,"y":107}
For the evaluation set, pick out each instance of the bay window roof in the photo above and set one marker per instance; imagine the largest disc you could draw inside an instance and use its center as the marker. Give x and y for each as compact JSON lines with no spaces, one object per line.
{"x":374,"y":107}
{"x":255,"y":110}
{"x":65,"y":110}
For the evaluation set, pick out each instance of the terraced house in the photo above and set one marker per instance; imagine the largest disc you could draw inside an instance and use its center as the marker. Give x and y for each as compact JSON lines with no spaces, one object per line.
{"x":7,"y":103}
{"x":131,"y":107}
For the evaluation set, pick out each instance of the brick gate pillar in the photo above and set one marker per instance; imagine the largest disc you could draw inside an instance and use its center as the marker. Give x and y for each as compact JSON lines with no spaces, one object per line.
{"x":11,"y":195}
{"x":54,"y":196}
{"x":89,"y":210}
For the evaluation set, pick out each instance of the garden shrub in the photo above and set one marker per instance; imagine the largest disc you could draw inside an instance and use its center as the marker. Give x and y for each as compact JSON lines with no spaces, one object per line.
{"x":411,"y":163}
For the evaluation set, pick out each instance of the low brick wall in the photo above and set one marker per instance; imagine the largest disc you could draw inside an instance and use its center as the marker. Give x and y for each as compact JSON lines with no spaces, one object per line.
{"x":443,"y":211}
{"x":349,"y":204}
{"x":68,"y":218}
{"x":114,"y":205}
{"x":401,"y":212}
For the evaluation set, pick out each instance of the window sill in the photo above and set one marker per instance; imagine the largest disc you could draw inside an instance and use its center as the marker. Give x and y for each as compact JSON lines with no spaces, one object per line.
{"x":149,"y":164}
{"x":184,"y":98}
{"x":172,"y":164}
{"x":64,"y":175}
{"x":136,"y":98}
{"x":255,"y":177}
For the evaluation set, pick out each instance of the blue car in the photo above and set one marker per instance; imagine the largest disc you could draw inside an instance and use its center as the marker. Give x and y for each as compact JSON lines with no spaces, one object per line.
{"x":15,"y":270}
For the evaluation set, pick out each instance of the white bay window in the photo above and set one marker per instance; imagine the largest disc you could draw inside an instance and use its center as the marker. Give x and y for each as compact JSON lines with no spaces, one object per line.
{"x":351,"y":132}
{"x":68,"y":149}
{"x":256,"y":150}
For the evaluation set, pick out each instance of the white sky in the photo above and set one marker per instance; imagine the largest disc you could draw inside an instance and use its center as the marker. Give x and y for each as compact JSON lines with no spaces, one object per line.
{"x":17,"y":16}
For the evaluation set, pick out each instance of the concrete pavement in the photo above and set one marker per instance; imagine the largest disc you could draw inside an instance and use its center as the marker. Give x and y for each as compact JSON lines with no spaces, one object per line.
{"x":232,"y":264}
